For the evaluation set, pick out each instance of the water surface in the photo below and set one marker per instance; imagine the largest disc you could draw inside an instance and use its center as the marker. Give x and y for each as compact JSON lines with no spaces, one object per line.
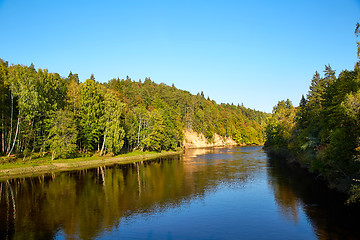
{"x":221,"y":193}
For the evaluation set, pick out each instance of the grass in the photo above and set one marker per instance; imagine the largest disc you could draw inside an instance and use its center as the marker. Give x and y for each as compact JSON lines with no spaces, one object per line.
{"x":13,"y":168}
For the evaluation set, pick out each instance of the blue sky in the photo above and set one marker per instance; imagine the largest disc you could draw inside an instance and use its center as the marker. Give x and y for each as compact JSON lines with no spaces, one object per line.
{"x":250,"y":52}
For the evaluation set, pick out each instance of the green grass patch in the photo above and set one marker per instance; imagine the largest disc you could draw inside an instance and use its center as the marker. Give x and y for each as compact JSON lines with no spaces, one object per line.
{"x":10,"y":168}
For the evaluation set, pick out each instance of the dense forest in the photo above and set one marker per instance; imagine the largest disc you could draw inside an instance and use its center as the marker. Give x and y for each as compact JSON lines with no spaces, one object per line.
{"x":43,"y":113}
{"x":323,"y":132}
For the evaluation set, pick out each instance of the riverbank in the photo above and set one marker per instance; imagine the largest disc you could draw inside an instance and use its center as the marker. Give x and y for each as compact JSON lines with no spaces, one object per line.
{"x":341,"y":185}
{"x":28,"y":169}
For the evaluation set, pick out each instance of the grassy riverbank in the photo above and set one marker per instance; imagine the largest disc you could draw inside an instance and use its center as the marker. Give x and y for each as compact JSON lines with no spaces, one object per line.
{"x":41,"y":166}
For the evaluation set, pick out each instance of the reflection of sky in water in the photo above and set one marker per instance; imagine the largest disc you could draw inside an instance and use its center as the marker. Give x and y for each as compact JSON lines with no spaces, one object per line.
{"x":248,"y":212}
{"x":217,"y":193}
{"x":241,"y":207}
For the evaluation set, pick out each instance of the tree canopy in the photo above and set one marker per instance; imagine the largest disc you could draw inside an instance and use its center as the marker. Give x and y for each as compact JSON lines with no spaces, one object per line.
{"x":323,"y":132}
{"x":44,"y":113}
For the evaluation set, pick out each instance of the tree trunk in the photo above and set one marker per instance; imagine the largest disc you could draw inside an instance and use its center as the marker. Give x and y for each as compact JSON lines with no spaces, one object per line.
{"x":53,"y":156}
{"x":11,"y":121}
{"x":16,"y":134}
{"x":138,"y":177}
{"x":2,"y":133}
{"x":103,"y":146}
{"x":102,"y":175}
{"x":1,"y":190}
{"x":13,"y":199}
{"x":26,"y":144}
{"x":138,"y":138}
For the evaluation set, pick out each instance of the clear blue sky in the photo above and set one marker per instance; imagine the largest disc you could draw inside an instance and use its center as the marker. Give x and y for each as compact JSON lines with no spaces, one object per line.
{"x":250,"y":52}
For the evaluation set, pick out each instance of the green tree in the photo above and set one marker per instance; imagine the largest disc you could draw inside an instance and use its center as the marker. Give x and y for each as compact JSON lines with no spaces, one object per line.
{"x":317,"y":88}
{"x":156,"y":134}
{"x":73,"y":94}
{"x":280,"y":125}
{"x":357,"y":32}
{"x":23,"y":86}
{"x":142,"y":124}
{"x":63,"y":134}
{"x":90,"y":114}
{"x":5,"y":95}
{"x":114,"y":132}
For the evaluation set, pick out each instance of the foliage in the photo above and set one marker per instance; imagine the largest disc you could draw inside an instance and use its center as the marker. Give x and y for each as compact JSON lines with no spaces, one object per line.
{"x":63,"y":134}
{"x":91,"y":111}
{"x":280,"y":124}
{"x":325,"y":133}
{"x":42,"y":112}
{"x":113,"y":113}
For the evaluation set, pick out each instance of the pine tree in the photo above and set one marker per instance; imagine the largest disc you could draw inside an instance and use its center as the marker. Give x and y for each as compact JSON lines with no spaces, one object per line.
{"x":317,"y":88}
{"x":90,"y":113}
{"x":303,"y":101}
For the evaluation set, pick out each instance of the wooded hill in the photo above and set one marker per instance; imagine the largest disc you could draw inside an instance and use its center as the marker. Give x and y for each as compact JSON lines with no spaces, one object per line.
{"x":44,"y":113}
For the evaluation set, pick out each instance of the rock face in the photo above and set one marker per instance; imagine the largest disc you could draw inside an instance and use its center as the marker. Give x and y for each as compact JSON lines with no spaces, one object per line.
{"x":197,"y":140}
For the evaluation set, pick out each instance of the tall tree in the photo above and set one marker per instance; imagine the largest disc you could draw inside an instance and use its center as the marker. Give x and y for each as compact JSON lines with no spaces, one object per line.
{"x":142,"y":123}
{"x":316,"y":90}
{"x":114,"y":132}
{"x":23,"y":85}
{"x":156,"y":134}
{"x":90,"y":113}
{"x":4,"y":104}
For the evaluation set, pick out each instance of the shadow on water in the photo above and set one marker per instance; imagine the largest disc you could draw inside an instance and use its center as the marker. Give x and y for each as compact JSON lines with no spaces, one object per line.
{"x":294,"y":188}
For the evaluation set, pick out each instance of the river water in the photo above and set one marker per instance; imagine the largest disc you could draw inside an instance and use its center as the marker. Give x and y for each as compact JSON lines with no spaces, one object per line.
{"x":220,"y":193}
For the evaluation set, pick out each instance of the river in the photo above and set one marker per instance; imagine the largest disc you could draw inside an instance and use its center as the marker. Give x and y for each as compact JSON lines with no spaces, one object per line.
{"x":219,"y":193}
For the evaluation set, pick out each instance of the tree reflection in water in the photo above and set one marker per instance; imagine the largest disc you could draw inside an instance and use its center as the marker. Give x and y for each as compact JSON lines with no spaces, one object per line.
{"x":297,"y":190}
{"x":85,"y":204}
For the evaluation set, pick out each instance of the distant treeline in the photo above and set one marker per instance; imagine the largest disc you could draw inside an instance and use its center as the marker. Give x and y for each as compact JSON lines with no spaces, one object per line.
{"x":43,"y":113}
{"x":323,"y":133}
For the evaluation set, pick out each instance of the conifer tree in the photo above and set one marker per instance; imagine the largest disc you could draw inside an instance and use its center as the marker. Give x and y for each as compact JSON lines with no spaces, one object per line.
{"x":90,"y":113}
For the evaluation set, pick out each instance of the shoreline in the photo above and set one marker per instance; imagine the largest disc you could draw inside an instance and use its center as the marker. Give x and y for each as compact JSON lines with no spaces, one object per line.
{"x":224,"y":146}
{"x":74,"y":164}
{"x":29,"y":171}
{"x":339,"y":185}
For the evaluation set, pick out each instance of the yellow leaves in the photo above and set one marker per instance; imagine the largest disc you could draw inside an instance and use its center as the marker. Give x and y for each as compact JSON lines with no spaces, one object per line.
{"x":351,"y":105}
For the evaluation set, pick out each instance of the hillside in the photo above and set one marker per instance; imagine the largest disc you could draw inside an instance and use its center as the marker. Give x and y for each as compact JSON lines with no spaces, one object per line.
{"x":44,"y":113}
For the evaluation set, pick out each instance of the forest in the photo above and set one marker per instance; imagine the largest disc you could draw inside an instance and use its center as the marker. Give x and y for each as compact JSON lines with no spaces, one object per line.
{"x":45,"y":114}
{"x":323,"y":132}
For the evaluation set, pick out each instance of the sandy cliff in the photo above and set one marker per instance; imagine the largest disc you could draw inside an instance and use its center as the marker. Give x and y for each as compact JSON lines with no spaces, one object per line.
{"x":195,"y":140}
